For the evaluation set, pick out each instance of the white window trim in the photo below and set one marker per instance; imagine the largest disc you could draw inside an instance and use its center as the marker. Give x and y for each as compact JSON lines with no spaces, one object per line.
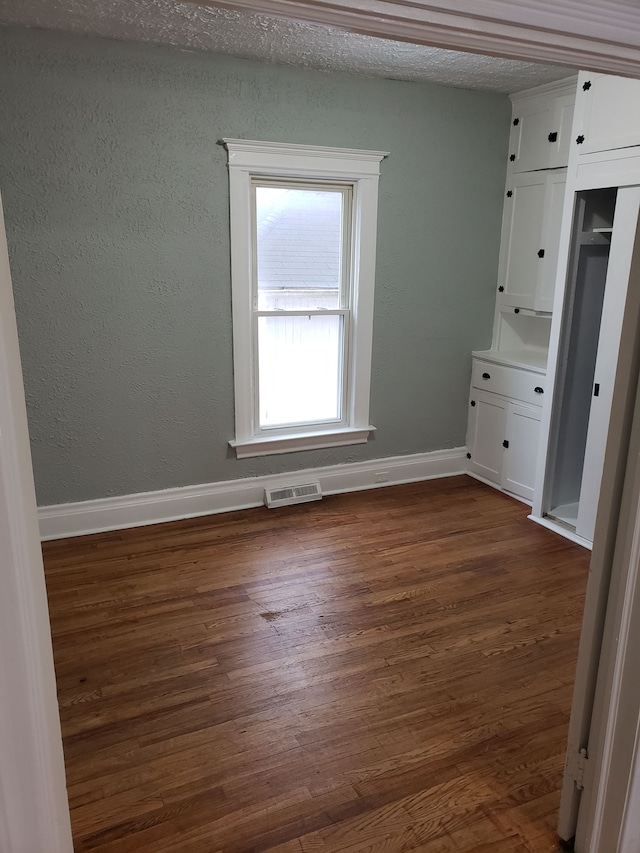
{"x":248,"y":159}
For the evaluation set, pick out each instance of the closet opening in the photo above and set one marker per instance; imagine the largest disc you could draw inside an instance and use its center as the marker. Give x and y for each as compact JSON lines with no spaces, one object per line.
{"x":586,"y":280}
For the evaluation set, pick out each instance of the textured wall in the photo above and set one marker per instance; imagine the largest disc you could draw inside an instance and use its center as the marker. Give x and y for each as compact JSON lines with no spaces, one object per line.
{"x":116,"y":202}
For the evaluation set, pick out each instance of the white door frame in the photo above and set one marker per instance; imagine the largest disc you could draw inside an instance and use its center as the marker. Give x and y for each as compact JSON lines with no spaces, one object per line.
{"x":34,"y":814}
{"x":609,"y":818}
{"x":609,"y":815}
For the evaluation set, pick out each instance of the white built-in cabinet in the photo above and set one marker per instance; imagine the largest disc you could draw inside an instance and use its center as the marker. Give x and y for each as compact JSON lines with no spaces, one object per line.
{"x":542,"y":398}
{"x":508,"y":381}
{"x":504,"y":424}
{"x":598,"y":239}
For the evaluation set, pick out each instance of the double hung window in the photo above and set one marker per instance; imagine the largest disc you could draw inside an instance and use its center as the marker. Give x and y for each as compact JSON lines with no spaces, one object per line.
{"x":303,"y":227}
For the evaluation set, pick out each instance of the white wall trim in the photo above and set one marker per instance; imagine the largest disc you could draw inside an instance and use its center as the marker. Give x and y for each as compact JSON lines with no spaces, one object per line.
{"x":251,"y":159}
{"x":95,"y":516}
{"x":276,"y":157}
{"x":600,"y":36}
{"x":561,"y":531}
{"x":265,"y":445}
{"x":608,"y":793}
{"x":34,"y":813}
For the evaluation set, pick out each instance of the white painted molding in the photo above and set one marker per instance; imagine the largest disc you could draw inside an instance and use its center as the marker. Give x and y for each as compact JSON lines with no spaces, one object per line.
{"x":265,"y":445}
{"x":34,"y":813}
{"x":561,"y":531}
{"x":599,"y":36}
{"x":251,"y":159}
{"x":611,"y":749}
{"x":95,"y":516}
{"x":497,"y":487}
{"x":248,"y":152}
{"x":567,"y":86}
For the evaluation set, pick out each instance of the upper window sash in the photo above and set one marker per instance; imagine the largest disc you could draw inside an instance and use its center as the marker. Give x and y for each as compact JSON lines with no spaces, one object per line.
{"x":346,"y":190}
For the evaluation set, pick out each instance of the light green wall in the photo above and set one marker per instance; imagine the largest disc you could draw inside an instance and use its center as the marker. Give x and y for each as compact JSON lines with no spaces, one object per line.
{"x":116,"y":204}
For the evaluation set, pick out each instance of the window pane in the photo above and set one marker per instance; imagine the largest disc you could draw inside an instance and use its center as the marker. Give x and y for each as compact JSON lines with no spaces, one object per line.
{"x":300,"y":369}
{"x":299,"y":240}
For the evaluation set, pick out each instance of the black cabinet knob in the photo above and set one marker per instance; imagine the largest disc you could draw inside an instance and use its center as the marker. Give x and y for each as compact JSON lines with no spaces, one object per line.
{"x":486,"y":376}
{"x":553,"y":136}
{"x":509,"y":193}
{"x":586,"y":85}
{"x":541,"y":253}
{"x":516,"y":310}
{"x":505,"y":443}
{"x":539,"y":390}
{"x":580,"y":139}
{"x":468,"y":456}
{"x":516,"y":122}
{"x":501,"y":289}
{"x":473,"y":402}
{"x":512,"y":157}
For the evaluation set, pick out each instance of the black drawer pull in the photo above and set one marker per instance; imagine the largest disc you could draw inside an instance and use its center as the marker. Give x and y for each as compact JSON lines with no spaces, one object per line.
{"x":505,"y":444}
{"x":486,"y":376}
{"x":539,"y":390}
{"x":553,"y":136}
{"x":541,"y":253}
{"x":516,"y":310}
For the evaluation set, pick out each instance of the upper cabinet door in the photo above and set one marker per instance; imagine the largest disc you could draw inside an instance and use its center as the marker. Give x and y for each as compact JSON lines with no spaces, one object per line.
{"x":609,"y":113}
{"x":521,"y":241}
{"x":541,"y":130}
{"x":530,"y":237}
{"x":530,"y":128}
{"x":562,"y":123}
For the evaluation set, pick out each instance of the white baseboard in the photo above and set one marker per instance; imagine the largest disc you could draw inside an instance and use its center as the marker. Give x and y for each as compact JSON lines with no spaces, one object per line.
{"x":96,"y":516}
{"x":563,"y":531}
{"x":498,"y":487}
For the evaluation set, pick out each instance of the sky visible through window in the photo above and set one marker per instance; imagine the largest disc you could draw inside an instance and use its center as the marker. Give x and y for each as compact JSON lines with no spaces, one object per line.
{"x":299,"y":234}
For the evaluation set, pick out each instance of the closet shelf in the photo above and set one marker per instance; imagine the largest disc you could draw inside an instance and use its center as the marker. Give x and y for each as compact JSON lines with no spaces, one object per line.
{"x":597,"y":237}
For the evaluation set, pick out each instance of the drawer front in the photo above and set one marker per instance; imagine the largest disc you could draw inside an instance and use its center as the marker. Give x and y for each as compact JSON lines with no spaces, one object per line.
{"x":509,"y":381}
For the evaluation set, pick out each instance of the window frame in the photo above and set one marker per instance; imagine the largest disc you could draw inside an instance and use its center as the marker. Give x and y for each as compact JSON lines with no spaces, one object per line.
{"x":248,"y":161}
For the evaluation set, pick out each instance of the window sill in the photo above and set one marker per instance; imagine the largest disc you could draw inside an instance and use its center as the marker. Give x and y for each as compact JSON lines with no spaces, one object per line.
{"x":268,"y":445}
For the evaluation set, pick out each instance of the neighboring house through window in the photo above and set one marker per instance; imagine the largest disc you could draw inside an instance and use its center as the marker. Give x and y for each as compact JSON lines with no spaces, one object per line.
{"x":303,"y":237}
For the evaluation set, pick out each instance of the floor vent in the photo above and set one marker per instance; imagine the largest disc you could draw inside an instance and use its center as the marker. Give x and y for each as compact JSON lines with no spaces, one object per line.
{"x":292,"y":495}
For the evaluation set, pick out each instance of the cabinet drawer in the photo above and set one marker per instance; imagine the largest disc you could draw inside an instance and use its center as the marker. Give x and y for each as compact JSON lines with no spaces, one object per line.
{"x":508,"y":381}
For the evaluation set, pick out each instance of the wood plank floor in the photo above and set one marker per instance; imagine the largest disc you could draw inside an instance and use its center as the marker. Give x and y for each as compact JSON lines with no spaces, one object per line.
{"x":383,"y":671}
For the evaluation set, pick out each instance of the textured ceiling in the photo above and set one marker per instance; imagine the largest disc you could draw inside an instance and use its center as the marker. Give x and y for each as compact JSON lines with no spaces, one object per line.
{"x":274,"y":40}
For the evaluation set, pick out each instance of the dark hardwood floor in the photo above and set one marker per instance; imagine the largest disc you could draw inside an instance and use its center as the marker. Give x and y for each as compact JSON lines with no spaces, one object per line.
{"x":383,"y":671}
